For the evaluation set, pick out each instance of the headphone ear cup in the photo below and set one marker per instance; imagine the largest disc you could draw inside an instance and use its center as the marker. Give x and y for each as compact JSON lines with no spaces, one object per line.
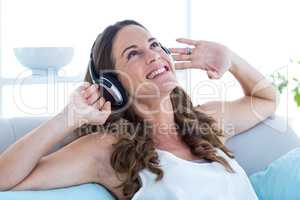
{"x":118,"y":86}
{"x":107,"y":96}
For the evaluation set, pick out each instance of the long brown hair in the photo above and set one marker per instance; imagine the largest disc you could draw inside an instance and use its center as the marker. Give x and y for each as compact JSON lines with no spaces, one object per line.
{"x":135,"y":149}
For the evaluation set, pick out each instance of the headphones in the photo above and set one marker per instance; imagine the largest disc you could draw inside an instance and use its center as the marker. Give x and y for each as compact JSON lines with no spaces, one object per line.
{"x":111,"y":88}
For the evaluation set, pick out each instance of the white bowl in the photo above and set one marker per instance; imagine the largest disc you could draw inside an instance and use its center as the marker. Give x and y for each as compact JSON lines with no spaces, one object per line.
{"x":42,"y":59}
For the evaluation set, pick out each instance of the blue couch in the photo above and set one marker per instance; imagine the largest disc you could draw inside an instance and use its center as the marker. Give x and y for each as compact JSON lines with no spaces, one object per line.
{"x":254,"y":149}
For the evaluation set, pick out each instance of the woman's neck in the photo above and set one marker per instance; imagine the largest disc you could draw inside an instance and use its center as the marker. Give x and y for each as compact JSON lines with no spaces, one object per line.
{"x":160,"y":114}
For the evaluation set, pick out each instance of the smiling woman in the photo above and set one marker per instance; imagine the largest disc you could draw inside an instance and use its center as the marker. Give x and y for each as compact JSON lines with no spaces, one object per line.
{"x":140,"y":150}
{"x":147,"y":73}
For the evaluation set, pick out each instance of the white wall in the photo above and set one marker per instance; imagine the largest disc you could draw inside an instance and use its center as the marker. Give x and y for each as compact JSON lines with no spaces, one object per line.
{"x":266,"y":33}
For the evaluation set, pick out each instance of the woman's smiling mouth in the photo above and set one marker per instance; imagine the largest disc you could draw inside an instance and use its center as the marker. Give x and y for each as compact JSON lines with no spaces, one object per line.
{"x":157,"y":72}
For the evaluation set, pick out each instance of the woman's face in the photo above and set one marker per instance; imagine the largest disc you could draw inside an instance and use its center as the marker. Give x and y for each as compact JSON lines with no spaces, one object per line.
{"x":144,"y":69}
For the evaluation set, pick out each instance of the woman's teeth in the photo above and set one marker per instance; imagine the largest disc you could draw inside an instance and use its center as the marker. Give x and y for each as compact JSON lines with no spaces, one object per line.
{"x":156,"y":72}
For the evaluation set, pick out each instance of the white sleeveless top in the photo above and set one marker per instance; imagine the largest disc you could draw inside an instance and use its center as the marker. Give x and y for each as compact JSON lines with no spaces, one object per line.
{"x":188,"y":180}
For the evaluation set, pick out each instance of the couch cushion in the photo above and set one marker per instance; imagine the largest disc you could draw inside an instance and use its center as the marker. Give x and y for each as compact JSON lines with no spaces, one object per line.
{"x":7,"y":136}
{"x":13,"y":129}
{"x":281,"y":180}
{"x":256,"y":148}
{"x":81,"y":192}
{"x":22,"y":125}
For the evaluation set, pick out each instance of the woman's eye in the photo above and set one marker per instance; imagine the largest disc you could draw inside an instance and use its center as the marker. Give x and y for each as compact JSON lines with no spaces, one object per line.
{"x":132,"y":53}
{"x":155,"y":44}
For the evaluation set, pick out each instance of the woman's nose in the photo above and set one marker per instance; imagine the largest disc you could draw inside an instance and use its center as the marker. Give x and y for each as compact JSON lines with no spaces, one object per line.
{"x":152,"y":56}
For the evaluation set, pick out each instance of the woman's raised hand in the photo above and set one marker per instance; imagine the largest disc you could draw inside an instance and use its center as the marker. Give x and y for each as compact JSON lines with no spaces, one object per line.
{"x":85,"y":106}
{"x":212,"y":57}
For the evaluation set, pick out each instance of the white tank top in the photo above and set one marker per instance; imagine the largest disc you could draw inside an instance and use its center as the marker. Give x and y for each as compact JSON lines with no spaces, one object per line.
{"x":188,"y":180}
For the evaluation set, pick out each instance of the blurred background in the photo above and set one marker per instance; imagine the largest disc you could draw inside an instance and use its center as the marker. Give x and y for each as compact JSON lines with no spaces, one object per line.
{"x":266,"y":33}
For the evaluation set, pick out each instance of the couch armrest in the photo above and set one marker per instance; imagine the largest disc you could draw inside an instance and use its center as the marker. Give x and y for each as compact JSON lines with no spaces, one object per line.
{"x":13,"y":129}
{"x":7,"y":136}
{"x":256,"y":148}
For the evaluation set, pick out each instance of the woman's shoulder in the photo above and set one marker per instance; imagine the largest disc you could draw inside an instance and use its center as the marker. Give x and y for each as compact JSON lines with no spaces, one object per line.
{"x":106,"y":174}
{"x":99,"y":144}
{"x":100,"y":147}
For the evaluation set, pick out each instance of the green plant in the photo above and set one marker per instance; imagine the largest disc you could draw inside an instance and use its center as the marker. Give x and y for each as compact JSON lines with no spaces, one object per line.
{"x":296,"y":91}
{"x":281,"y":81}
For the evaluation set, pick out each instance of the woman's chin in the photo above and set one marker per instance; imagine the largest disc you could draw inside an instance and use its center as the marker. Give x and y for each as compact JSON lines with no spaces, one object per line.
{"x":167,"y":87}
{"x":165,"y":81}
{"x":156,"y":90}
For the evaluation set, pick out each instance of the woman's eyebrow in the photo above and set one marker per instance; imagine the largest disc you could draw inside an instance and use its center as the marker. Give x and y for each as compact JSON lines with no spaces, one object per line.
{"x":135,"y":46}
{"x":151,"y":39}
{"x":131,"y":46}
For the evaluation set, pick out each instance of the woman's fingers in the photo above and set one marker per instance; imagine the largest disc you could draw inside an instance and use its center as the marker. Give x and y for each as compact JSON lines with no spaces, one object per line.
{"x":83,"y":86}
{"x":91,"y":94}
{"x":187,"y":41}
{"x":182,"y":57}
{"x":102,"y":115}
{"x":93,"y":98}
{"x":178,"y":50}
{"x":106,"y":107}
{"x":93,"y":89}
{"x":182,"y":51}
{"x":100,"y":103}
{"x":183,"y":65}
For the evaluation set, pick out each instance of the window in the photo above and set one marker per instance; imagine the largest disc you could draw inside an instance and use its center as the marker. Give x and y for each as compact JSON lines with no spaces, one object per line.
{"x":265,"y":33}
{"x":34,"y":23}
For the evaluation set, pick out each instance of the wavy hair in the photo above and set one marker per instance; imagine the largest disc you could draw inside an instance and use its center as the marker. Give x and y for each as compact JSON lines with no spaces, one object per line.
{"x":135,"y":149}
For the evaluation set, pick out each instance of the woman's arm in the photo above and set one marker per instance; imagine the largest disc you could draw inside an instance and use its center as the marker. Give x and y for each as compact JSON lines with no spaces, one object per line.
{"x":74,"y":164}
{"x":86,"y":160}
{"x":259,"y":100}
{"x":254,"y":84}
{"x":20,"y":158}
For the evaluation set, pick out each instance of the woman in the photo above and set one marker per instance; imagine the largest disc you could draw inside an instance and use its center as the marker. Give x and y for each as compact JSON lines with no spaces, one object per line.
{"x":141,"y":151}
